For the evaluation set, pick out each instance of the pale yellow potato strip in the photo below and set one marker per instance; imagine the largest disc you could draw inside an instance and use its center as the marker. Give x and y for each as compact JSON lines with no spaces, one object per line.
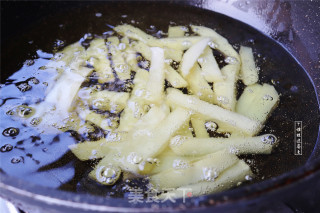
{"x":198,"y":124}
{"x":176,"y":31}
{"x":136,"y":106}
{"x":194,"y":172}
{"x":199,"y":86}
{"x":96,"y":55}
{"x":109,"y":100}
{"x":231,"y":119}
{"x":209,"y":66}
{"x":221,"y":42}
{"x":189,"y":146}
{"x":228,"y":179}
{"x":226,"y":91}
{"x":258,"y":101}
{"x":191,"y":56}
{"x":174,"y":77}
{"x":248,"y":72}
{"x":155,"y":85}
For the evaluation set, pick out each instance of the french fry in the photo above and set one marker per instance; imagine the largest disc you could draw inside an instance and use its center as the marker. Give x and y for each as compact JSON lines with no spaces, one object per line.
{"x":207,"y":168}
{"x":221,"y":42}
{"x":176,"y":31}
{"x":155,"y":85}
{"x":173,"y":54}
{"x":199,"y":86}
{"x":226,"y":91}
{"x":143,"y":48}
{"x":233,"y":120}
{"x":169,"y":160}
{"x":96,"y":54}
{"x":228,"y":179}
{"x":258,"y":101}
{"x":174,"y":77}
{"x":190,"y":57}
{"x":209,"y":66}
{"x":119,"y":65}
{"x":109,"y":100}
{"x":248,"y":72}
{"x":89,"y":150}
{"x":189,"y":146}
{"x":198,"y":124}
{"x":136,"y":106}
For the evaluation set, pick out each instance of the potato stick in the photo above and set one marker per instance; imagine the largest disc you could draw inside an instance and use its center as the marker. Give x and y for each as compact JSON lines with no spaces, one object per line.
{"x":188,"y":146}
{"x":133,"y":33}
{"x":174,"y":77}
{"x":143,"y":49}
{"x":89,"y":150}
{"x":228,"y":179}
{"x":226,"y":91}
{"x":176,"y":31}
{"x":96,"y":55}
{"x":67,"y":86}
{"x":198,"y":124}
{"x":199,"y":86}
{"x":178,"y":43}
{"x":208,"y":168}
{"x":119,"y":65}
{"x":136,"y":106}
{"x":221,"y":42}
{"x":258,"y":101}
{"x":209,"y":66}
{"x":98,"y":119}
{"x":169,"y":160}
{"x":71,"y":53}
{"x":248,"y":72}
{"x":191,"y":56}
{"x":130,"y":57}
{"x":173,"y":54}
{"x":125,"y":40}
{"x":234,"y":120}
{"x":155,"y":85}
{"x":109,"y":100}
{"x":185,"y":130}
{"x":154,"y":142}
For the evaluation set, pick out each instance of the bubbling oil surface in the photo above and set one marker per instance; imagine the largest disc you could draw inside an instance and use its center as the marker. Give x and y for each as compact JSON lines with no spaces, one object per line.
{"x":45,"y":159}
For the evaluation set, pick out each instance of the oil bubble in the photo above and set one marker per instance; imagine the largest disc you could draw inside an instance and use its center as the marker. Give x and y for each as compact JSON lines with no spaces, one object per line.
{"x":10,"y":132}
{"x":6,"y":148}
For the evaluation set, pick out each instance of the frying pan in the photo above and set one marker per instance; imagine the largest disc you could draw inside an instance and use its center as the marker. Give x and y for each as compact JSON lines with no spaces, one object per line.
{"x":280,"y":174}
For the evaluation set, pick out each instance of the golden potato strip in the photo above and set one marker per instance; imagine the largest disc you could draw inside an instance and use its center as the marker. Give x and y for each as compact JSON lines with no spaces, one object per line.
{"x":188,"y":146}
{"x":143,"y":49}
{"x":258,"y":101}
{"x":231,"y":119}
{"x":248,"y":72}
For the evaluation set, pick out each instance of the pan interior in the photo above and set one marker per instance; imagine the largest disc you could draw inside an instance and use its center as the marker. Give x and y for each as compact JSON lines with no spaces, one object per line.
{"x":45,"y":159}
